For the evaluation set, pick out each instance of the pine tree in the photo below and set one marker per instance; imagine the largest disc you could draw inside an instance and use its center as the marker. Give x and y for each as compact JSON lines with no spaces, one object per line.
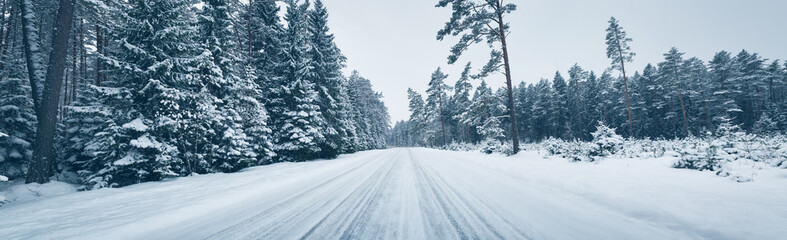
{"x":559,"y":105}
{"x":43,"y":161}
{"x":541,"y":119}
{"x":619,"y":51}
{"x":724,"y":88}
{"x":476,"y":20}
{"x":525,"y":96}
{"x":479,"y":110}
{"x":417,"y":116}
{"x":672,"y":73}
{"x":435,"y":107}
{"x":698,"y":94}
{"x":461,"y":100}
{"x":593,"y":100}
{"x":576,"y":77}
{"x":493,"y":135}
{"x":750,"y":81}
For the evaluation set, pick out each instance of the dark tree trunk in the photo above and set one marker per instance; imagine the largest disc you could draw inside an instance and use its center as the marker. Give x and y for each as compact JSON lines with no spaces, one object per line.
{"x":43,"y":153}
{"x":2,"y":22}
{"x":707,"y":116}
{"x":683,"y":108}
{"x":251,"y":2}
{"x":442,"y":119}
{"x":31,"y":56}
{"x":99,"y":51}
{"x":82,"y":49}
{"x":74,"y":61}
{"x":578,"y":118}
{"x":626,"y":86}
{"x":9,"y":27}
{"x":514,"y":128}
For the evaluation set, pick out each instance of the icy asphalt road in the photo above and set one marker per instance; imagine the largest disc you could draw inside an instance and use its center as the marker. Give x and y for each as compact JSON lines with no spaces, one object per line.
{"x":424,"y":194}
{"x":404,"y":194}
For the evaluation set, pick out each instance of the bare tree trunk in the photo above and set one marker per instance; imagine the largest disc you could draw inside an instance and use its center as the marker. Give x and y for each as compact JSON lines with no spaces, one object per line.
{"x":626,"y":85}
{"x":511,"y":113}
{"x":99,"y":51}
{"x":249,"y":29}
{"x":683,"y":108}
{"x":30,"y":42}
{"x":705,"y":106}
{"x":442,"y":119}
{"x":65,"y":96}
{"x":82,"y":48}
{"x":579,"y":110}
{"x":74,"y":61}
{"x":8,"y":25}
{"x":674,"y":123}
{"x":2,"y":21}
{"x":43,"y":153}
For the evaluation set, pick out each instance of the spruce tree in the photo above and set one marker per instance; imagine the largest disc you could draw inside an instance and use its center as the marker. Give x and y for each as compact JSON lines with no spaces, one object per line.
{"x":298,"y":121}
{"x":238,"y":143}
{"x":371,"y":114}
{"x":17,"y":119}
{"x":264,"y":38}
{"x":326,"y":64}
{"x":156,"y":98}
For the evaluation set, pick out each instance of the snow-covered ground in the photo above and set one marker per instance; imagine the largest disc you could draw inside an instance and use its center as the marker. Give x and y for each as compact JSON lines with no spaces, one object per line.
{"x":421,"y":194}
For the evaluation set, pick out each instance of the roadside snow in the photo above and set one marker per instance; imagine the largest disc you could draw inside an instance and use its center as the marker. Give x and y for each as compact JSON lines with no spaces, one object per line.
{"x":27,"y":193}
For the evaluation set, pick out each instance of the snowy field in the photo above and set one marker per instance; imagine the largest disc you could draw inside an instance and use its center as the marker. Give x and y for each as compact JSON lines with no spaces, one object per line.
{"x":420,"y":194}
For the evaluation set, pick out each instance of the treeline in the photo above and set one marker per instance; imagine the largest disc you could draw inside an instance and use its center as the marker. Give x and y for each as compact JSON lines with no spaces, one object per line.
{"x":674,"y":99}
{"x":162,"y":88}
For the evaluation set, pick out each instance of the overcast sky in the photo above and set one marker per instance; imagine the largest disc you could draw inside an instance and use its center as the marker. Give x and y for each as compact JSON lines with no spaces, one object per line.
{"x":393,"y":43}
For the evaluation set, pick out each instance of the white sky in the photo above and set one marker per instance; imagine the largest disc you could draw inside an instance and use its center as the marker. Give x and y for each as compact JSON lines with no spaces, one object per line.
{"x":393,"y":43}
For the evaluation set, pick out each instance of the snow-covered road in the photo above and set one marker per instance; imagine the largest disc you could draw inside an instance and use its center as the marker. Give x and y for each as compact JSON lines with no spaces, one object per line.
{"x":414,"y":194}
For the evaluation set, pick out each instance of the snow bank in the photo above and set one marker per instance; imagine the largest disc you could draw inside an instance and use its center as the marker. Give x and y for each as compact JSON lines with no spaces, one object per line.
{"x":698,"y":203}
{"x":134,"y":211}
{"x":18,"y":193}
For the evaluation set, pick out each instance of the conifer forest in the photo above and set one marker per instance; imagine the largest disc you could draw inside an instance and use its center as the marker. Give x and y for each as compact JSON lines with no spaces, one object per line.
{"x":410,"y":119}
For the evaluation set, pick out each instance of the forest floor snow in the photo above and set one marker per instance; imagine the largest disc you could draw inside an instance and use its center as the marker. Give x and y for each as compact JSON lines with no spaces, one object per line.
{"x":419,"y":194}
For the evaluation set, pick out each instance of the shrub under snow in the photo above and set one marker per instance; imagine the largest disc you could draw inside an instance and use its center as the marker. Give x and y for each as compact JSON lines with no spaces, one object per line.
{"x":605,"y":141}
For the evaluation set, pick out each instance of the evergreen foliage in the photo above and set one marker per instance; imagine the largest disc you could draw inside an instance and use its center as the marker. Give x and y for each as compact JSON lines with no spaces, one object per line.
{"x":167,"y":88}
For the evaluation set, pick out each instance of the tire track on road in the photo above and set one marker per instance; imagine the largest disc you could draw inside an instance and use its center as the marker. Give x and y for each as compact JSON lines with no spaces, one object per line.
{"x":355,"y":207}
{"x":340,"y":179}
